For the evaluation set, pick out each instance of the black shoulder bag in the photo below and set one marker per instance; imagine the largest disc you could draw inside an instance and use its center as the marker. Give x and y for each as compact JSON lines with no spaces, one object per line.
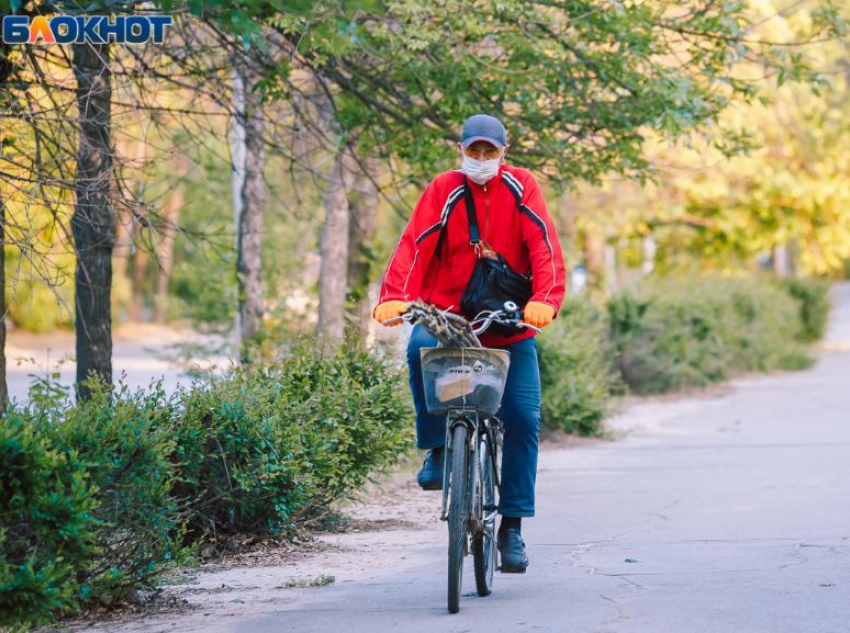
{"x":493,"y":281}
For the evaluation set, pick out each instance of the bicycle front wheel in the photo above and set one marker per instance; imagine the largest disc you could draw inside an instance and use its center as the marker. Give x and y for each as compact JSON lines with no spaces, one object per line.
{"x":484,"y":544}
{"x":458,"y":513}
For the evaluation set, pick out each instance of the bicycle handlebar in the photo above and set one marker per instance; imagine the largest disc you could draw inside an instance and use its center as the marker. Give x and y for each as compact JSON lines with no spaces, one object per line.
{"x":510,"y":314}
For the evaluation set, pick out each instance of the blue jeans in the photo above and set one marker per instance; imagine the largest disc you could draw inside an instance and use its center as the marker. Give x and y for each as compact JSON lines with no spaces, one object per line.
{"x":520,"y":414}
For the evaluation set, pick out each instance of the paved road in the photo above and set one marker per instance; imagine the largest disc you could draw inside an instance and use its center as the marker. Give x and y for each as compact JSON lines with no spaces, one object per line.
{"x":138,"y":357}
{"x":735,"y":508}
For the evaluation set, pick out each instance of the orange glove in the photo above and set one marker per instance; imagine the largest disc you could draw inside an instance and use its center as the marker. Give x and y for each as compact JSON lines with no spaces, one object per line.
{"x":390,"y":310}
{"x":538,"y":314}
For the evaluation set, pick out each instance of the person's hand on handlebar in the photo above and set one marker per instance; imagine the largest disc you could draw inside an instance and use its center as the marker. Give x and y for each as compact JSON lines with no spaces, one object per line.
{"x":538,"y":314}
{"x":390,"y":310}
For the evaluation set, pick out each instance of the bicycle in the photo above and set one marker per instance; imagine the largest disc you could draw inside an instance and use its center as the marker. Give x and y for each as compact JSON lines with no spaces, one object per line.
{"x":466,"y":385}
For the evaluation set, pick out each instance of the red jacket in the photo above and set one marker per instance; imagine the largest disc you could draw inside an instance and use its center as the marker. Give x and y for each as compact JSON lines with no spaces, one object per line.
{"x":513,"y":220}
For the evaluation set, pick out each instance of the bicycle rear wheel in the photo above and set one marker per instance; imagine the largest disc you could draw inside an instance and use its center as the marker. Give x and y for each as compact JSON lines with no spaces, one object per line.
{"x":484,"y":545}
{"x":458,"y":513}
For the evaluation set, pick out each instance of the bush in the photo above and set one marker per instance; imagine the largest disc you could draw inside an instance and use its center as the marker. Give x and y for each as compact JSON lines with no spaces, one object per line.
{"x":576,"y":373}
{"x":47,"y":523}
{"x":673,"y":333}
{"x":262,"y":449}
{"x":812,"y":295}
{"x":124,"y":441}
{"x":101,"y":495}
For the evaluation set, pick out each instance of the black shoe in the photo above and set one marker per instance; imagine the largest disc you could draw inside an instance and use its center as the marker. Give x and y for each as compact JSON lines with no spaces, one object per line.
{"x":430,"y":476}
{"x":512,"y":548}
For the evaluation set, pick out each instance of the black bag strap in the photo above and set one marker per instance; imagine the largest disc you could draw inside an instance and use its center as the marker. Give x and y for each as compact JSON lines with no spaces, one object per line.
{"x":474,"y":232}
{"x":441,"y":240}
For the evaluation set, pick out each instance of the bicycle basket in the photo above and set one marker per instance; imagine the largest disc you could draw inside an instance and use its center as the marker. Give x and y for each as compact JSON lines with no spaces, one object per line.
{"x":466,"y":378}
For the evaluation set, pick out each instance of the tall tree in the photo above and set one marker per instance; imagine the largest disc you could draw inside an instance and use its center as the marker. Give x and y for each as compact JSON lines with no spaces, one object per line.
{"x":93,"y":222}
{"x":165,"y":250}
{"x":578,"y":83}
{"x":6,"y":69}
{"x":363,"y":201}
{"x":334,"y":249}
{"x":4,"y":387}
{"x":248,"y":198}
{"x":140,"y":258}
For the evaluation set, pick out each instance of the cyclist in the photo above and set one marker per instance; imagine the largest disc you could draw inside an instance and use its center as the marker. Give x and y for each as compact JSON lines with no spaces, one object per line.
{"x":514,"y":221}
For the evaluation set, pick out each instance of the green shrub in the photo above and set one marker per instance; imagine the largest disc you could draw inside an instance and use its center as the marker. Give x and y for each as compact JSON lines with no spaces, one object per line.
{"x":124,"y":441}
{"x":576,"y":373}
{"x":103,"y":494}
{"x":812,"y":295}
{"x":262,"y":449}
{"x":47,"y":523}
{"x":673,"y":333}
{"x":762,"y":331}
{"x":236,"y":455}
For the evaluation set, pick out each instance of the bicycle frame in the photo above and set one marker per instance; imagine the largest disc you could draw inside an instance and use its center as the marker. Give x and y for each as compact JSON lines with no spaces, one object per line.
{"x":477,"y":426}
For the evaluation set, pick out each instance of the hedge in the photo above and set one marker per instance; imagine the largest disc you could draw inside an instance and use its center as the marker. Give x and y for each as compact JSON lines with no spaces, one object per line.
{"x":103,"y":495}
{"x":672,"y":333}
{"x":576,"y":372}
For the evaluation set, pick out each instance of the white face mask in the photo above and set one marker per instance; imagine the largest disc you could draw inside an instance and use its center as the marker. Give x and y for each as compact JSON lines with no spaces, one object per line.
{"x":480,"y":171}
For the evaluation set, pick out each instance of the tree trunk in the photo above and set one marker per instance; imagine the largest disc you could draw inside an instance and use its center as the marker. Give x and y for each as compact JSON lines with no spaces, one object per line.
{"x":123,"y":250}
{"x":568,"y":215}
{"x":781,"y":260}
{"x":140,"y":270}
{"x":133,"y":231}
{"x":125,"y":215}
{"x":93,"y":222}
{"x":594,"y":259}
{"x":237,"y":179}
{"x":649,"y":248}
{"x":248,"y":189}
{"x":6,"y":69}
{"x":165,"y":252}
{"x":4,"y":387}
{"x":333,"y":246}
{"x":363,"y":210}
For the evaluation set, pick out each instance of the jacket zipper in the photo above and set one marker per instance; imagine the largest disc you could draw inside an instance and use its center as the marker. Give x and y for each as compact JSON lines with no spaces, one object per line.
{"x":486,"y":216}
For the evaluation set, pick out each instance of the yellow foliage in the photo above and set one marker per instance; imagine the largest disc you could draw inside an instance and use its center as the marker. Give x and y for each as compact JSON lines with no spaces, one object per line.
{"x":792,"y":190}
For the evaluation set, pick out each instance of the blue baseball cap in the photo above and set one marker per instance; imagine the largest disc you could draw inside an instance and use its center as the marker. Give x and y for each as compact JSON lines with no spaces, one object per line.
{"x":483,"y":127}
